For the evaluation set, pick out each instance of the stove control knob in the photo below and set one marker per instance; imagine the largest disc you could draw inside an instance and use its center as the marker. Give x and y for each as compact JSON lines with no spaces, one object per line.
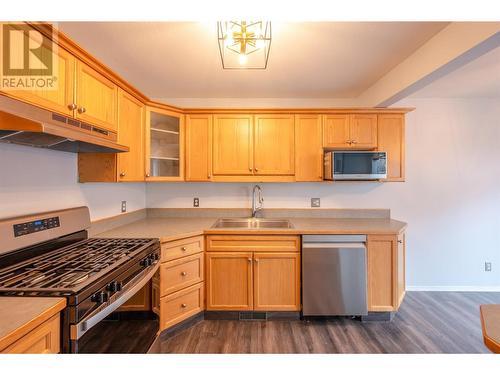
{"x":146,"y":262}
{"x":114,"y":286}
{"x":99,"y":297}
{"x":156,"y":256}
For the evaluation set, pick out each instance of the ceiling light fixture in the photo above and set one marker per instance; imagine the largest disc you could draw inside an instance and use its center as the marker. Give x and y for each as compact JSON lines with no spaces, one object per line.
{"x":244,"y":44}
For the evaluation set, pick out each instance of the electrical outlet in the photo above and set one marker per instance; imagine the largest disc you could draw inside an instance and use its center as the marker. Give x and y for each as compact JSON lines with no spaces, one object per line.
{"x":196,"y":202}
{"x":315,"y":202}
{"x":487,"y":266}
{"x":124,"y":206}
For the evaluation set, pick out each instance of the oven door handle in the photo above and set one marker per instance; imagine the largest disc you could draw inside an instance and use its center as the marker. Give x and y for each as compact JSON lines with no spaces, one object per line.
{"x":78,"y":330}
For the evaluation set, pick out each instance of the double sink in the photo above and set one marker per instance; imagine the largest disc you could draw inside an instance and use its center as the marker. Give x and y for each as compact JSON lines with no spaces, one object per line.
{"x":253,"y":223}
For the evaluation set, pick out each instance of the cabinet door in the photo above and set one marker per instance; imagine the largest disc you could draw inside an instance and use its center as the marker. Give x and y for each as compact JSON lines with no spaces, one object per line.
{"x":308,"y":148}
{"x":164,"y":145}
{"x":60,"y":97}
{"x":336,"y":131}
{"x":141,"y":301}
{"x":277,"y":281}
{"x":233,"y":145}
{"x":229,"y":281}
{"x":198,"y":147}
{"x":274,"y":145}
{"x":131,"y":134}
{"x":391,"y":139}
{"x":96,"y":97}
{"x":363,"y":131}
{"x":401,"y":271}
{"x":382,"y":273}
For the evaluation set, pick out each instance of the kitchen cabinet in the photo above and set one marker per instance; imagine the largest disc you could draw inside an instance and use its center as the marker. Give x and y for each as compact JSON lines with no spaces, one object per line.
{"x":276,"y":281}
{"x":274,"y":145}
{"x":60,"y":98}
{"x":43,"y":339}
{"x":308,"y":148}
{"x":178,"y":287}
{"x":198,"y":147}
{"x":259,"y":273}
{"x":141,"y":301}
{"x":350,"y":131}
{"x":233,"y":145}
{"x":391,"y":139}
{"x":164,"y":145}
{"x":229,"y":281}
{"x":125,"y":166}
{"x":386,"y":272}
{"x":96,"y":97}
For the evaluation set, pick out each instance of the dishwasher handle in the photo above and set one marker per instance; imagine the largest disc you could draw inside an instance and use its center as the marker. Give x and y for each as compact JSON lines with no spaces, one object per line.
{"x":327,"y":238}
{"x":333,"y":245}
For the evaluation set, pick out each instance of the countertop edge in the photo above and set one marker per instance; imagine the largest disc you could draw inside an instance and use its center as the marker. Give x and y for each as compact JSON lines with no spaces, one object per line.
{"x":27,"y":327}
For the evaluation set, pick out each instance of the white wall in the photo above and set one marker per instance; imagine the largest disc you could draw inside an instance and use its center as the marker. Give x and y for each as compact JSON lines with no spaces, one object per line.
{"x":35,"y":180}
{"x":451,"y":197}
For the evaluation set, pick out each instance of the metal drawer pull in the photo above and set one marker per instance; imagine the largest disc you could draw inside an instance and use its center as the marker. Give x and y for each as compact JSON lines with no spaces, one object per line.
{"x":183,"y":273}
{"x":249,"y":260}
{"x":81,"y":110}
{"x":183,"y":305}
{"x":183,"y":248}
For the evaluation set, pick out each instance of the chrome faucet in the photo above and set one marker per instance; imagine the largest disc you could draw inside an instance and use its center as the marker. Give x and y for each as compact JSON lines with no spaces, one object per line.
{"x":256,"y":198}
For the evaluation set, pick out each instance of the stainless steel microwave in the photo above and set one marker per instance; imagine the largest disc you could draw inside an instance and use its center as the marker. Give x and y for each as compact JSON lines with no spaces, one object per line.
{"x":355,"y":165}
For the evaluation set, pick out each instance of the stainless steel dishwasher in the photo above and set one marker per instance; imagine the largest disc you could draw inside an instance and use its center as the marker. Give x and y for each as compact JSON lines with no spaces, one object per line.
{"x":334,"y":275}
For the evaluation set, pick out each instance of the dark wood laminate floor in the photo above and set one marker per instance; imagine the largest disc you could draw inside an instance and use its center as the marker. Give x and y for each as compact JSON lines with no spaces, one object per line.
{"x":428,"y":322}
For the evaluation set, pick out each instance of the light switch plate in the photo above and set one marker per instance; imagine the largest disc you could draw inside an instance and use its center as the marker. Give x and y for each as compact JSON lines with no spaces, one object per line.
{"x":124,"y":206}
{"x":196,"y":202}
{"x":315,"y":202}
{"x":487,"y":266}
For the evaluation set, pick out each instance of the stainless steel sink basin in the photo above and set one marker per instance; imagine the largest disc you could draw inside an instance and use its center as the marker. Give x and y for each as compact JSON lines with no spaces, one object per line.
{"x":253,"y":223}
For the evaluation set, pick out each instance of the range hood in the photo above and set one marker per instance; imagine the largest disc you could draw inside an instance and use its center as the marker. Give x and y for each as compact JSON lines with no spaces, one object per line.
{"x":24,"y":124}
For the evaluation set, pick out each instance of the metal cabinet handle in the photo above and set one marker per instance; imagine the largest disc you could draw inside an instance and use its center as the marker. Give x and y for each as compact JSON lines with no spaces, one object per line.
{"x":250,"y":169}
{"x":256,"y":260}
{"x":209,"y":176}
{"x":354,"y":142}
{"x":183,"y":305}
{"x":122,"y":174}
{"x":147,"y":175}
{"x":81,"y":110}
{"x":183,"y":248}
{"x":256,"y":170}
{"x":400,"y":241}
{"x":349,"y":141}
{"x":183,"y":273}
{"x":249,"y":260}
{"x":72,"y":106}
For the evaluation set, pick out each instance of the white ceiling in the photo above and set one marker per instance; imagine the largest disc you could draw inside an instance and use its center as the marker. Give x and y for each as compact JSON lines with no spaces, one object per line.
{"x":478,"y":79}
{"x":307,"y":60}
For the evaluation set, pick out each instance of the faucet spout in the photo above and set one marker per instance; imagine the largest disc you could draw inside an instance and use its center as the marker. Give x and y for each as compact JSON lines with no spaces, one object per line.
{"x":256,"y":199}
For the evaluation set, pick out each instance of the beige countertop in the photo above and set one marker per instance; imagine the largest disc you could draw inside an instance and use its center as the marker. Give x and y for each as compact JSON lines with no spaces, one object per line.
{"x":172,"y":228}
{"x":20,"y":315}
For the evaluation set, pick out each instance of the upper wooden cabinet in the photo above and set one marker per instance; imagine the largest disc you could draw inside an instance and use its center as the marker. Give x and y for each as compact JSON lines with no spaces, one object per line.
{"x":260,"y":145}
{"x":308,"y":148}
{"x":350,"y":131}
{"x":391,"y":139}
{"x":131,"y":134}
{"x":274,"y":145}
{"x":96,"y":97}
{"x":198,"y":147}
{"x":125,"y":166}
{"x":59,"y":99}
{"x":164,"y":145}
{"x":233,"y":145}
{"x":386,"y":262}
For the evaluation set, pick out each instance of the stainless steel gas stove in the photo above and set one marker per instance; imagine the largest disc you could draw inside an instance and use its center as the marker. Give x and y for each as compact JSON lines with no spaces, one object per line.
{"x":49,"y":254}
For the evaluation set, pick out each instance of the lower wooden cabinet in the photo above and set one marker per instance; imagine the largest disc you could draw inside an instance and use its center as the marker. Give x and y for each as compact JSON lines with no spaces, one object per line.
{"x":178,"y":287}
{"x":386,"y":272}
{"x":141,"y":301}
{"x":43,"y":339}
{"x":267,"y":279}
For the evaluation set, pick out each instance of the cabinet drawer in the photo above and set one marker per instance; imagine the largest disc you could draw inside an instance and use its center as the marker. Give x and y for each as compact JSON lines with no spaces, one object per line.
{"x":43,"y":339}
{"x":180,"y":273}
{"x":181,"y":248}
{"x":229,"y":243}
{"x":181,"y":305}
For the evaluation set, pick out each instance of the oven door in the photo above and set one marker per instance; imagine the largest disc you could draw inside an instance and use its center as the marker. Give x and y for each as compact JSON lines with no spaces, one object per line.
{"x":359,"y":165}
{"x":105,"y":330}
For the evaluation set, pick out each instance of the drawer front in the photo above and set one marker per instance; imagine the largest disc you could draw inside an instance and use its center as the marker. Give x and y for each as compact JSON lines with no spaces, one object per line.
{"x":181,"y":305}
{"x":44,"y":339}
{"x":181,"y":273}
{"x":181,"y":248}
{"x":230,"y":243}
